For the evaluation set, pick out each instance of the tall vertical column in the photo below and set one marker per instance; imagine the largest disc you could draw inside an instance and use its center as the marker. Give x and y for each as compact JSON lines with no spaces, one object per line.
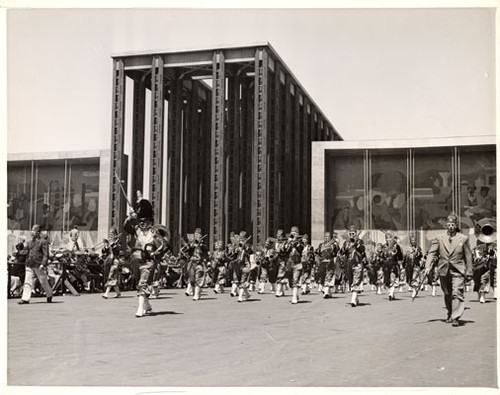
{"x":217,"y":147}
{"x":190,"y":154}
{"x":138,"y":136}
{"x":245,"y":143}
{"x":287,"y":170}
{"x":156,"y":160}
{"x":174,"y":161}
{"x":260,"y":176}
{"x":274,"y":144}
{"x":233,"y":160}
{"x":297,"y":209}
{"x":117,"y":168}
{"x":204,"y":161}
{"x":306,"y":164}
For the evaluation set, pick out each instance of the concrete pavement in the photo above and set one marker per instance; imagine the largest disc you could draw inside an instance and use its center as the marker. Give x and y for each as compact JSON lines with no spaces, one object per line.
{"x":216,"y":341}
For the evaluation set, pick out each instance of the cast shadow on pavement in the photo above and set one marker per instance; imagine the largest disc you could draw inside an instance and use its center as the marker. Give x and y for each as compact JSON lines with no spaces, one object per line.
{"x":443,"y":320}
{"x":360,"y":304}
{"x":152,"y":313}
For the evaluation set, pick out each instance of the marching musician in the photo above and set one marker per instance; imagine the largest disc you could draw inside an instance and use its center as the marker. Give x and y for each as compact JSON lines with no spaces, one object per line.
{"x":219,"y":262}
{"x":484,"y":259}
{"x":268,"y":266}
{"x":454,"y":257}
{"x":231,"y":254}
{"x":197,"y":251}
{"x":242,"y":266}
{"x":147,"y":244}
{"x":413,"y":259}
{"x":377,"y":262}
{"x":307,"y":259}
{"x":325,"y":256}
{"x":111,"y":249}
{"x":294,"y":247}
{"x":282,"y":275}
{"x":392,"y":254}
{"x":159,"y":272}
{"x":354,"y":255}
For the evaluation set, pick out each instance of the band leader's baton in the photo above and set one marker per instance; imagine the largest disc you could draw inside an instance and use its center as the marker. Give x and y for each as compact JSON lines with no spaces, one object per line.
{"x":123,"y":190}
{"x":421,"y":282}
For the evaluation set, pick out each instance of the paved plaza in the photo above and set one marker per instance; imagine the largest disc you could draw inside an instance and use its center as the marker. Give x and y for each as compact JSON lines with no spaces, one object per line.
{"x":264,"y":342}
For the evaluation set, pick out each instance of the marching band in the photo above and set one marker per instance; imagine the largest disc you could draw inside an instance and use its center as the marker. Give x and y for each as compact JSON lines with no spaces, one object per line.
{"x":285,"y":261}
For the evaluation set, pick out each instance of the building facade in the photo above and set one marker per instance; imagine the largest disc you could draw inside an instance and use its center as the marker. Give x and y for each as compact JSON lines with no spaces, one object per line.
{"x":58,"y":190}
{"x":405,"y":186}
{"x":230,"y":134}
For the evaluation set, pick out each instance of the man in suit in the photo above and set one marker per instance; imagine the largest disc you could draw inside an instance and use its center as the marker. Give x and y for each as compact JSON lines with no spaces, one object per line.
{"x":454,"y":259}
{"x":36,"y":264}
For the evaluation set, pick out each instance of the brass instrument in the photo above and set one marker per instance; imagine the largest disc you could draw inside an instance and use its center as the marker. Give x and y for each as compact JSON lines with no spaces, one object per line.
{"x":486,"y":230}
{"x":242,"y":244}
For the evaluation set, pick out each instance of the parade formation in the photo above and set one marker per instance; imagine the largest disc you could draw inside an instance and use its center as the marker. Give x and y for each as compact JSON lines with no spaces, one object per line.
{"x":285,"y":263}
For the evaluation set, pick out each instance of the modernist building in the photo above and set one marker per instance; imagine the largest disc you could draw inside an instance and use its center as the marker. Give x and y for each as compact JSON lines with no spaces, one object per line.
{"x":59,"y":190}
{"x":230,"y":139}
{"x":227,"y":139}
{"x":404,"y":186}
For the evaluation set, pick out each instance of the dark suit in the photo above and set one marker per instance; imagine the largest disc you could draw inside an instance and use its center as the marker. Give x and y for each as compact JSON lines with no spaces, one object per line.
{"x":454,"y":264}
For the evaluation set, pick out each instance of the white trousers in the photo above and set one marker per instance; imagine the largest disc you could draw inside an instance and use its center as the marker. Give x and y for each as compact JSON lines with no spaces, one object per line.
{"x":29,"y":282}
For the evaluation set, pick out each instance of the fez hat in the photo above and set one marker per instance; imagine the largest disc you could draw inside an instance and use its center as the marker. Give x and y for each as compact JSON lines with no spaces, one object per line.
{"x":353,"y":228}
{"x":144,"y":209}
{"x":295,"y":229}
{"x":197,"y":230}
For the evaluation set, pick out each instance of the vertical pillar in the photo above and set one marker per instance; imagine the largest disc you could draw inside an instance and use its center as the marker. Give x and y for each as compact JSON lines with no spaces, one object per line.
{"x":138,"y":136}
{"x":190,"y":150}
{"x":274,"y":146}
{"x":156,"y":160}
{"x":245,"y":219}
{"x":233,"y":159}
{"x":205,"y":161}
{"x":297,"y":209}
{"x":259,"y":179}
{"x":117,"y":200}
{"x":287,"y":170}
{"x":306,"y":165}
{"x":174,"y":161}
{"x":217,"y":147}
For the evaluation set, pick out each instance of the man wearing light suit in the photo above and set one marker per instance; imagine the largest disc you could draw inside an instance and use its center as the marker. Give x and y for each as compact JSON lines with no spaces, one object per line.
{"x":454,"y":259}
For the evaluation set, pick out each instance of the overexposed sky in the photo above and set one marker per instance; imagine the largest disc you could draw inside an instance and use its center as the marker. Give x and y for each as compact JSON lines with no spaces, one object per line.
{"x":375,"y":73}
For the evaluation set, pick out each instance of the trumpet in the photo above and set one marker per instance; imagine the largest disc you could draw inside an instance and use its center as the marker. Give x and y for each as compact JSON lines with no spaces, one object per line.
{"x":244,"y":242}
{"x":294,"y":237}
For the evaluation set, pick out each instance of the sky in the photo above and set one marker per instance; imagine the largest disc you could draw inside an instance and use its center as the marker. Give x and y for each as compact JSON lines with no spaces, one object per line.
{"x":375,"y":73}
